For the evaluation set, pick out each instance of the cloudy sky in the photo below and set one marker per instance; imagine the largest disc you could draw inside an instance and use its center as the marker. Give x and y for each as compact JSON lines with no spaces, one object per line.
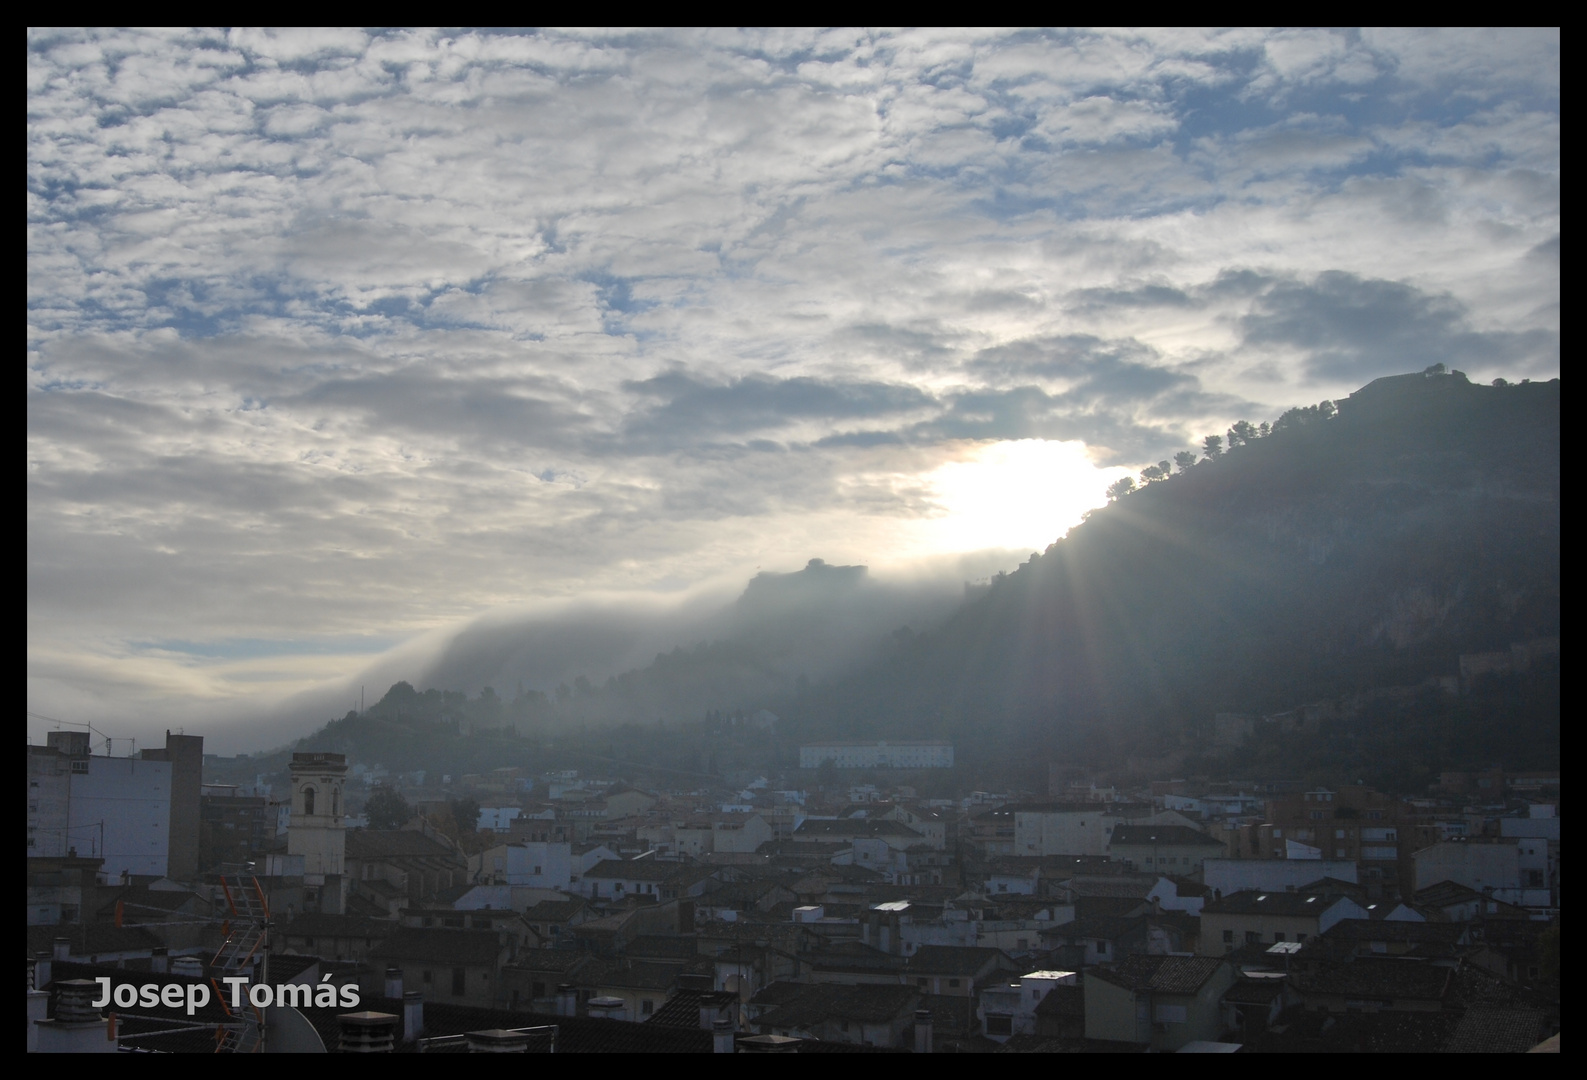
{"x":338,"y":339}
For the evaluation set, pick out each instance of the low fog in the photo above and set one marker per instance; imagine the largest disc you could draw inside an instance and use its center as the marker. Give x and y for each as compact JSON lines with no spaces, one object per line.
{"x":817,"y":621}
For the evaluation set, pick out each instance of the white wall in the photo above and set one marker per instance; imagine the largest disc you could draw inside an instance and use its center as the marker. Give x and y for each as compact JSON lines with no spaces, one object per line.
{"x":540,"y":865}
{"x":133,"y":799}
{"x":1274,"y":875}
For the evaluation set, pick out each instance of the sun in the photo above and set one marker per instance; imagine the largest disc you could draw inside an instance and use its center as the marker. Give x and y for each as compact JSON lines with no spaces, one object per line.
{"x":1022,"y":493}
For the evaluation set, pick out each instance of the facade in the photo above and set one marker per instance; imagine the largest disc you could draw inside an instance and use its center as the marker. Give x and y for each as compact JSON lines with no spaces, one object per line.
{"x":233,"y":828}
{"x":318,"y":831}
{"x":1162,"y":1002}
{"x":186,"y":755}
{"x":1163,"y":849}
{"x":1354,"y":824}
{"x":1478,"y":865}
{"x":1226,"y":876}
{"x":1262,"y":918}
{"x":1064,"y":828}
{"x":128,"y":811}
{"x":878,"y":755}
{"x":533,"y":864}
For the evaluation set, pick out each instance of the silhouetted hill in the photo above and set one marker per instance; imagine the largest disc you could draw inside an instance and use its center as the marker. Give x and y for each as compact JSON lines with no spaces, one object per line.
{"x":1338,"y":554}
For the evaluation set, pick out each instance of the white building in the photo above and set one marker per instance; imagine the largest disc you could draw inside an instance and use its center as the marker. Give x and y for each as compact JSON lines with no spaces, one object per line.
{"x":1065,"y":828}
{"x":530,"y":863}
{"x":318,"y":829}
{"x":117,"y":809}
{"x":878,"y":755}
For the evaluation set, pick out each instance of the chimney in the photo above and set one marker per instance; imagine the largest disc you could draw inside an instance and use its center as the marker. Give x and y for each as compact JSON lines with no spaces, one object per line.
{"x":366,"y":1032}
{"x":567,"y":999}
{"x":63,"y":949}
{"x":722,"y":1036}
{"x":498,"y":1041}
{"x":922,"y":1031}
{"x":605,"y":1008}
{"x":160,"y":960}
{"x":41,"y":970}
{"x":74,"y":1001}
{"x":394,"y":983}
{"x":77,"y":1027}
{"x":412,"y":1015}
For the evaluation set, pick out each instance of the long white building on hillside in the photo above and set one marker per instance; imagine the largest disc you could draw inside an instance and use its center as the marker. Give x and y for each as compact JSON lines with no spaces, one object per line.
{"x":878,"y":755}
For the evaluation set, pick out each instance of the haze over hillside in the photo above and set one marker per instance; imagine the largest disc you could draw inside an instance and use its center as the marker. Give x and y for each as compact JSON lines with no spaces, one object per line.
{"x":1332,"y":557}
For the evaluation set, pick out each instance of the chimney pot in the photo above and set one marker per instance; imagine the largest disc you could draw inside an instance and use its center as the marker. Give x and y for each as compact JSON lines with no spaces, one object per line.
{"x":74,"y":1001}
{"x":366,"y":1032}
{"x":394,"y":983}
{"x":412,"y":1015}
{"x":722,"y":1036}
{"x":160,"y":959}
{"x":922,"y":1031}
{"x":63,"y":949}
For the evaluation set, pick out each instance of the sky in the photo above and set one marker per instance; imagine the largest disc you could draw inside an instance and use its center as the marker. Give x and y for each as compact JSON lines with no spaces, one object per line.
{"x":340,"y":341}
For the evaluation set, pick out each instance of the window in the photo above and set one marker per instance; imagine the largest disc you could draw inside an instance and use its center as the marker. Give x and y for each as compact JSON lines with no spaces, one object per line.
{"x":647,"y":1007}
{"x":954,"y":983}
{"x":459,"y":981}
{"x":1278,"y":935}
{"x":1102,"y":948}
{"x":308,"y":800}
{"x":999,"y":1025}
{"x":1169,"y":1014}
{"x":1253,"y":937}
{"x":1339,"y":834}
{"x":538,"y":989}
{"x":79,"y":766}
{"x":1300,"y":937}
{"x":429,"y":977}
{"x":1278,"y":834}
{"x":1317,"y":815}
{"x":1228,"y":937}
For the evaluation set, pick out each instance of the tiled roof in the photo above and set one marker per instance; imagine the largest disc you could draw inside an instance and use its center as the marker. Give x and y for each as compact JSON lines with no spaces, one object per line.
{"x":827,"y":1001}
{"x":1496,"y":1029}
{"x":1374,"y":977}
{"x":556,"y":961}
{"x":1303,"y":1031}
{"x":331,"y":926}
{"x":1162,"y":836}
{"x":631,"y":870}
{"x":951,"y":960}
{"x":554,"y":911}
{"x":682,"y":1009}
{"x":1163,"y":974}
{"x":1395,"y":930}
{"x":392,"y":843}
{"x":441,"y":946}
{"x":1254,"y":991}
{"x":851,"y":827}
{"x":91,"y":939}
{"x":1254,"y":902}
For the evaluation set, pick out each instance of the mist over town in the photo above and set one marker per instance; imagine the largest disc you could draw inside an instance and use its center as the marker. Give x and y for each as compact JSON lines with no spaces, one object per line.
{"x":793,"y":541}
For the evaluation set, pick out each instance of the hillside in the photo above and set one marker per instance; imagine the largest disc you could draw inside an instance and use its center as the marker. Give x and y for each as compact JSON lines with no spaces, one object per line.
{"x":1348,"y":559}
{"x":1334,"y":556}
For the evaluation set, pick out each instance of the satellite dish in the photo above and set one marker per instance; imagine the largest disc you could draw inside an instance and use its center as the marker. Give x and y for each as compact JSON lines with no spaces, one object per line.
{"x":288,"y":1031}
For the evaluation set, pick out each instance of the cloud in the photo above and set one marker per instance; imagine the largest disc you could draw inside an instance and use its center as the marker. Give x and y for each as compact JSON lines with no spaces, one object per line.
{"x":1351,"y":328}
{"x":335,"y":333}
